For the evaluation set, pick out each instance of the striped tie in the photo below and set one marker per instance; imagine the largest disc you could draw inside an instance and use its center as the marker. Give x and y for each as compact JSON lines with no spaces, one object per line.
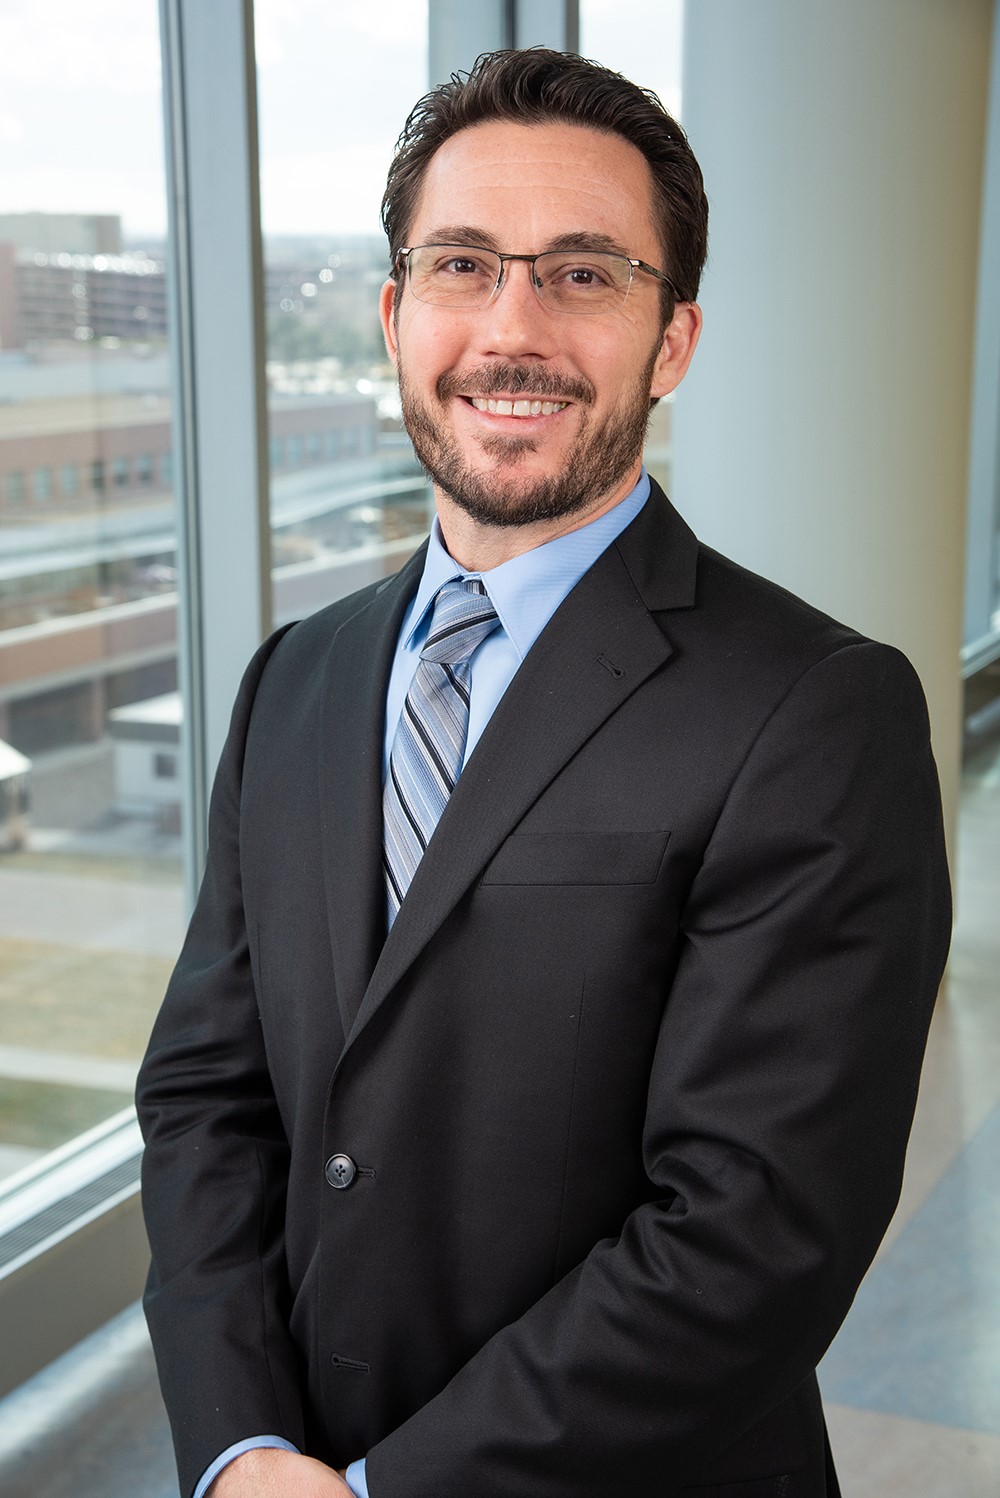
{"x":429,"y":746}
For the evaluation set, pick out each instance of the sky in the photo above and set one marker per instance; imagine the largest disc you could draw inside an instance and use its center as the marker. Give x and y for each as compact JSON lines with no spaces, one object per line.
{"x":80,"y":106}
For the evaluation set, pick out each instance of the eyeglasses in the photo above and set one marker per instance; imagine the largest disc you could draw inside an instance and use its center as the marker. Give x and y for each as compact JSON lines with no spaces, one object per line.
{"x":584,"y":282}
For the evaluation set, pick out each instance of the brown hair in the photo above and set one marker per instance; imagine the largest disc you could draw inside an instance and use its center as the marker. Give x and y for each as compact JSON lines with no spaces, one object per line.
{"x":534,"y":85}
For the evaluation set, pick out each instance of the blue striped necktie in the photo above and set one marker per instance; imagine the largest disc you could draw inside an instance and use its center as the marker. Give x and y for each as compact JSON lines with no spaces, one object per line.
{"x":429,"y":747}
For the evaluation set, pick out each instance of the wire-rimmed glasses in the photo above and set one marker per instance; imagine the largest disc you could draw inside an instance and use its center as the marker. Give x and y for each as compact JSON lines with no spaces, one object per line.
{"x":584,"y":282}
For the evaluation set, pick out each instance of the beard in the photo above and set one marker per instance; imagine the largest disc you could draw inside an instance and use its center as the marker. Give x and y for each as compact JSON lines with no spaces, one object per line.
{"x":603,"y":455}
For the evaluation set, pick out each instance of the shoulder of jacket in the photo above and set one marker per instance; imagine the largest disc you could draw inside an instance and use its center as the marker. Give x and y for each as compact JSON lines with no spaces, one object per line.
{"x":739,"y":599}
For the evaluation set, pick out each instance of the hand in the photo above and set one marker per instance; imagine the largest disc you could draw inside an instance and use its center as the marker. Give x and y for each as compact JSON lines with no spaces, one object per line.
{"x":268,"y":1472}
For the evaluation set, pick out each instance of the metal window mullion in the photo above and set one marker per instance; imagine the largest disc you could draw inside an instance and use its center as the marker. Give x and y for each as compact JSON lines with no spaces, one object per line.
{"x":983,"y":527}
{"x":546,"y":23}
{"x":459,"y":32}
{"x":218,"y":347}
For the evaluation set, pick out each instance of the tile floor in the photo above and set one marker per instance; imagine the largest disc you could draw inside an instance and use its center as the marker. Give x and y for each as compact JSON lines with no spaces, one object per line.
{"x":912,"y":1383}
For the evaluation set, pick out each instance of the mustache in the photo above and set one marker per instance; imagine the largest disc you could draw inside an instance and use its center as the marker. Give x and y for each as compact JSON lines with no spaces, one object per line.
{"x":514,"y":379}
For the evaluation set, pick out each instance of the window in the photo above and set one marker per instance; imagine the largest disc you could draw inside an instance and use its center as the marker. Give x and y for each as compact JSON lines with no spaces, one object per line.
{"x":981,"y":644}
{"x":107,"y":815}
{"x":325,"y":261}
{"x":94,"y":908}
{"x":648,"y":50}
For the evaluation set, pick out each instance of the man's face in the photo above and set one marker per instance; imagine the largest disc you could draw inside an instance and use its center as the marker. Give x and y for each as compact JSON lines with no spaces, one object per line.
{"x":525,"y":189}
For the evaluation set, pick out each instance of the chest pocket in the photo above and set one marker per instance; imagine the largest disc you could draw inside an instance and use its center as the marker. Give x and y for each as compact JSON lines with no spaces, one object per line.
{"x":578,"y":858}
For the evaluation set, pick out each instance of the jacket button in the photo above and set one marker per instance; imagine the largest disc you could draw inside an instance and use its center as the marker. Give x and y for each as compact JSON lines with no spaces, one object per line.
{"x":340,"y":1171}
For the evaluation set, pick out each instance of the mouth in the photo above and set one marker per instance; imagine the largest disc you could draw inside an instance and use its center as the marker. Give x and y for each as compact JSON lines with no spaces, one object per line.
{"x":521,"y":406}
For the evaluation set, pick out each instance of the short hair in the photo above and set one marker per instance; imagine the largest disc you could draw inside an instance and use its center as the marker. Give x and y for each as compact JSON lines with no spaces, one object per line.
{"x":531,"y":86}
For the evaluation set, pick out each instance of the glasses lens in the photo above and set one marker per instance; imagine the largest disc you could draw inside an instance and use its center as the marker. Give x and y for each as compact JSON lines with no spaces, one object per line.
{"x":582,"y":281}
{"x":585,"y":282}
{"x":452,"y":275}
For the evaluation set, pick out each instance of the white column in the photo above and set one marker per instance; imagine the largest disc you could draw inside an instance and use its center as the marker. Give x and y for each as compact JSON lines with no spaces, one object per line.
{"x":822,"y":435}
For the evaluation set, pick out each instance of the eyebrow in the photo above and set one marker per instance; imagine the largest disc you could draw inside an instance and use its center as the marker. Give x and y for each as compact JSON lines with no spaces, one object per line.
{"x":587,"y":242}
{"x":470,"y":234}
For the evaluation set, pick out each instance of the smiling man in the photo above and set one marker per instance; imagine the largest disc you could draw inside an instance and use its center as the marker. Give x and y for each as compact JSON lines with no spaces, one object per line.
{"x":533,"y":1088}
{"x":532,"y":424}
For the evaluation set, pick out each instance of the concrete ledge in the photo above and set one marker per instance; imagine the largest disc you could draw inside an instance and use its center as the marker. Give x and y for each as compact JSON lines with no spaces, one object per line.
{"x":73,"y":1247}
{"x":91,"y":1424}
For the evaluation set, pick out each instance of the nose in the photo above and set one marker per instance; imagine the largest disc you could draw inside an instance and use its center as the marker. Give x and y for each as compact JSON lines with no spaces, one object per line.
{"x":514,"y":321}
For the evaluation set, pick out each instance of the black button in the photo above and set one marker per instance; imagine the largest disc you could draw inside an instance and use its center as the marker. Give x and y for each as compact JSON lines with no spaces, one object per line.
{"x":340,"y":1171}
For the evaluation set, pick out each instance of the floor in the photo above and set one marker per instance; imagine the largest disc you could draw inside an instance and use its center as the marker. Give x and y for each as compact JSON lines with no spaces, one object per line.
{"x":912,"y":1383}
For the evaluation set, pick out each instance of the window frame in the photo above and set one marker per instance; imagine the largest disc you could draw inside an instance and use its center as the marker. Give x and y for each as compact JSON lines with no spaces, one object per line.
{"x":982,"y":566}
{"x":219,"y":460}
{"x":72,"y":1244}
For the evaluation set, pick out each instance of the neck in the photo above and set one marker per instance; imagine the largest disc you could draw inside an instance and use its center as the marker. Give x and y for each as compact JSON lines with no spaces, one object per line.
{"x":477,"y":547}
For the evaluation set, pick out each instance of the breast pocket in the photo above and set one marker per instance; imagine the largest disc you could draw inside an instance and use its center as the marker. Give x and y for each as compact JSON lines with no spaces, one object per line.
{"x":578,"y":858}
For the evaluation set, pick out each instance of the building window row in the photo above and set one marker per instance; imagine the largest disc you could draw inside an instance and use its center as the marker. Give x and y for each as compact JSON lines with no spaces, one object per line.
{"x":299,"y":449}
{"x":99,"y":476}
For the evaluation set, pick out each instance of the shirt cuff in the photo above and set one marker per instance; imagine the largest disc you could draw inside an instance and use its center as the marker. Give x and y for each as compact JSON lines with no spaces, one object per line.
{"x":232,"y":1452}
{"x":357,"y":1480}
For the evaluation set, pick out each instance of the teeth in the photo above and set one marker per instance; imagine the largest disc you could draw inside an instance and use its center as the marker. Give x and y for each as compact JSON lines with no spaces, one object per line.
{"x":518,"y":407}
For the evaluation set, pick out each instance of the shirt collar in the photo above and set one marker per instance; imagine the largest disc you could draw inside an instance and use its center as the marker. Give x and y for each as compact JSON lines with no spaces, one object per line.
{"x":527,"y":590}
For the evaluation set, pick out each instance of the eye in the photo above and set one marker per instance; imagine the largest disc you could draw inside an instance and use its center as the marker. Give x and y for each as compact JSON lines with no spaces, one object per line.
{"x":583,"y":275}
{"x":578,"y":274}
{"x":454,"y":266}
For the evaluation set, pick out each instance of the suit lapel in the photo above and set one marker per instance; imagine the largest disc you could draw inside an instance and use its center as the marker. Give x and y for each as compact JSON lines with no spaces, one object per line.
{"x":353,"y":727}
{"x":599,"y":647}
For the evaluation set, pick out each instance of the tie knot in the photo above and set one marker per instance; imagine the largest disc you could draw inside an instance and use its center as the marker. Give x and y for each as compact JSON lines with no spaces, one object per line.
{"x":463,"y":616}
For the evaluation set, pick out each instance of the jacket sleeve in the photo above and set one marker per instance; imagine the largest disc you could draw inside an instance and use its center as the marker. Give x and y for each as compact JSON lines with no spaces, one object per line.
{"x":215,"y":1168}
{"x":779,"y":1106}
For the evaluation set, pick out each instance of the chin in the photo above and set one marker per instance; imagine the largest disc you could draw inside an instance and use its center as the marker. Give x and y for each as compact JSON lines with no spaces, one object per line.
{"x":495,"y":499}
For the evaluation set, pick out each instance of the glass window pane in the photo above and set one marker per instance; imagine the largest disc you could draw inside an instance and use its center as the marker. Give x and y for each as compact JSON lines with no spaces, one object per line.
{"x":642,"y":39}
{"x":91,"y":905}
{"x":348,"y":500}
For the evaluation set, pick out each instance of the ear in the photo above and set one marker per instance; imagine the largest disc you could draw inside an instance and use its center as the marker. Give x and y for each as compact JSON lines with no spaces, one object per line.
{"x":680,"y":339}
{"x":386,"y":313}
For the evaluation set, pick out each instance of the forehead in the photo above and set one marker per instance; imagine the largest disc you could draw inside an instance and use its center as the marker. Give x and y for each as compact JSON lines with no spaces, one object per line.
{"x":528,"y":184}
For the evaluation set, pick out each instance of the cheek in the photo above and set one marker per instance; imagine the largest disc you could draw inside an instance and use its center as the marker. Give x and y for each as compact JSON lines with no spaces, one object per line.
{"x":427,"y":347}
{"x":612,"y":358}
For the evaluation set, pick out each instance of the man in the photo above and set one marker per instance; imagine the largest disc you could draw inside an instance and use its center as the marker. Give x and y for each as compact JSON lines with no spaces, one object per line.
{"x":533,"y":1087}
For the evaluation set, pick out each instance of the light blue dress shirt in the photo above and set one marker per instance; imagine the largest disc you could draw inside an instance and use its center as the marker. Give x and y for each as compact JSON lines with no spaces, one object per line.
{"x":526,"y":591}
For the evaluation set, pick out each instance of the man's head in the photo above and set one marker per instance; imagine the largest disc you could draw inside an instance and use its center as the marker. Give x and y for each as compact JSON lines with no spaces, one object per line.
{"x":527,"y":384}
{"x":538,"y":86}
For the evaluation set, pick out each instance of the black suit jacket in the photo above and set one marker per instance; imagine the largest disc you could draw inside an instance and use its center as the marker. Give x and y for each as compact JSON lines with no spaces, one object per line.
{"x":628,"y":1085}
